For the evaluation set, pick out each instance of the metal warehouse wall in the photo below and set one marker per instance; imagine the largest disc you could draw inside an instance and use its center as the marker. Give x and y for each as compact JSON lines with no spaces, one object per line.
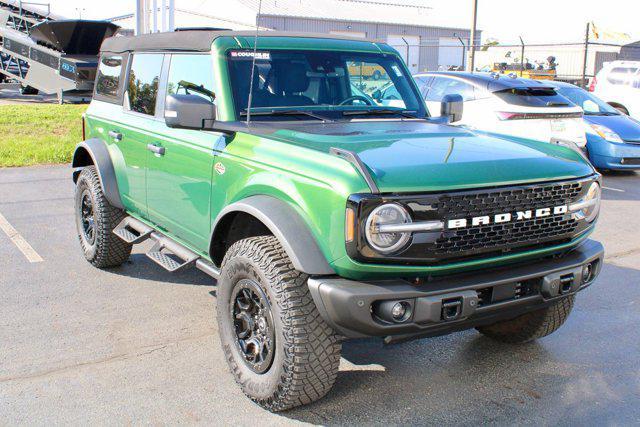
{"x":429,"y":36}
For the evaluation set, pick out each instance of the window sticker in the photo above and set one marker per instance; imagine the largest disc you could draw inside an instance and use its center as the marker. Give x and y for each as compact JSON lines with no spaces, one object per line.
{"x":249,"y":54}
{"x":396,"y":70}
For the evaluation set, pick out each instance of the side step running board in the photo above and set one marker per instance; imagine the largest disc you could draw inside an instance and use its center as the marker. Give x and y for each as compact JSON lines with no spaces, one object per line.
{"x":169,"y":254}
{"x":132,"y":231}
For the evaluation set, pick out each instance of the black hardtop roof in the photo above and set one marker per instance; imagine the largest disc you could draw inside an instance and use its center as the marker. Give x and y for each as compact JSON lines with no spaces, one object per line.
{"x":196,"y":40}
{"x":493,"y":84}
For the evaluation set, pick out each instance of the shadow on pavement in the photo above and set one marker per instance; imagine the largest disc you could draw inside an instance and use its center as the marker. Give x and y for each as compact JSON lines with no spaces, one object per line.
{"x":139,"y":266}
{"x":575,"y":374}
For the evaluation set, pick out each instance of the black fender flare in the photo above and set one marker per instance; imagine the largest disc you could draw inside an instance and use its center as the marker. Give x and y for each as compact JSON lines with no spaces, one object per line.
{"x":94,"y":152}
{"x":287,"y":226}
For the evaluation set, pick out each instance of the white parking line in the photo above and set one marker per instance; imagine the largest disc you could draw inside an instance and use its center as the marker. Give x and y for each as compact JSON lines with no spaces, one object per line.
{"x":613,"y":189}
{"x":18,"y":240}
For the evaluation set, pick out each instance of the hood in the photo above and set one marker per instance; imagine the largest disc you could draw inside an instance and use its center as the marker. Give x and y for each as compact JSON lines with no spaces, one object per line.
{"x":421,"y":156}
{"x":625,"y":126}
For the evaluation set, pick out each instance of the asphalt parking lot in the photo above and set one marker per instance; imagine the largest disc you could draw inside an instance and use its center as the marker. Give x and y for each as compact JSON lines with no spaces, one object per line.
{"x":134,"y":345}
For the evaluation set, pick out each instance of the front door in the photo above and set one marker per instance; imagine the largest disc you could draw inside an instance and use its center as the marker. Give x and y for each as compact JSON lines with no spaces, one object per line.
{"x":180,"y":168}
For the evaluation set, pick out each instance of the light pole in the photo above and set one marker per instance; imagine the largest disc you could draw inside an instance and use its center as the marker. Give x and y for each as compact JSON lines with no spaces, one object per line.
{"x":472,"y":38}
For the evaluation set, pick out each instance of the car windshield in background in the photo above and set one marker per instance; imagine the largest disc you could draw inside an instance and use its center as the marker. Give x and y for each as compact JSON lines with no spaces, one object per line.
{"x":533,"y":97}
{"x":327,"y":84}
{"x":590,"y":104}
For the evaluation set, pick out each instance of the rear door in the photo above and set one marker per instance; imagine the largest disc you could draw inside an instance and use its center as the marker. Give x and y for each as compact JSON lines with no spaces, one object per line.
{"x":180,"y":162}
{"x":110,"y":119}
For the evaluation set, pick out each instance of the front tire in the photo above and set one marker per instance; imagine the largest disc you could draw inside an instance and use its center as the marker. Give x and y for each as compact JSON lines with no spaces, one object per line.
{"x":278,"y":347}
{"x":531,"y":326}
{"x":95,"y":220}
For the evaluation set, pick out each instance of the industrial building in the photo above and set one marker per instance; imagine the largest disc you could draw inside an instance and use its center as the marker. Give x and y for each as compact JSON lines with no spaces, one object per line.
{"x":427,"y":39}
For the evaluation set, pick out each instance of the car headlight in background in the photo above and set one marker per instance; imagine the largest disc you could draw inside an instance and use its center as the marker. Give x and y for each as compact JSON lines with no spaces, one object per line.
{"x":384,"y":228}
{"x":605,"y":133}
{"x":588,"y":206}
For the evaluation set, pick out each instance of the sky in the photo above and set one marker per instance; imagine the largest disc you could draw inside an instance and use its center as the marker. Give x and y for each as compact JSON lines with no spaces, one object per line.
{"x":537,"y":21}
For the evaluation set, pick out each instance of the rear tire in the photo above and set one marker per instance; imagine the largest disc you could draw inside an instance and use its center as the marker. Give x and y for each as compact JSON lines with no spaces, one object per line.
{"x":293,"y":360}
{"x":530,"y":326}
{"x":95,"y":220}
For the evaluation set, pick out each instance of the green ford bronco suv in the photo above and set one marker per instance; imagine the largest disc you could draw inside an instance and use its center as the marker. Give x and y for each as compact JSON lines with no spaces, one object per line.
{"x":325,"y":210}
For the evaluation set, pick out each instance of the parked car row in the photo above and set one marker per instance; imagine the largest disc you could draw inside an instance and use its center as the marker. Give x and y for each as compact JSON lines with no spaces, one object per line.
{"x":548,"y":111}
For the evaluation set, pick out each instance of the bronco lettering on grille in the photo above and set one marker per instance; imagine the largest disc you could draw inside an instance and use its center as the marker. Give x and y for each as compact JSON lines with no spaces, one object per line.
{"x":506,"y":217}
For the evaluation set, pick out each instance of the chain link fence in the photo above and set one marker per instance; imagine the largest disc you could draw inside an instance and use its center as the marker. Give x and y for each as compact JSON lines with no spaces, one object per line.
{"x":571,"y":62}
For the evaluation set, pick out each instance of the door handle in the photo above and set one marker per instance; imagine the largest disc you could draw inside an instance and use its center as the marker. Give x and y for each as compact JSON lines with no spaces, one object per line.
{"x":156,"y":149}
{"x":115,"y":135}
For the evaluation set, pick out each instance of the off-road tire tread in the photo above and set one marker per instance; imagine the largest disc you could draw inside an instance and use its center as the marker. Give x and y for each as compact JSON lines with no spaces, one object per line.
{"x":531,"y":326}
{"x":312,"y":349}
{"x":111,"y":251}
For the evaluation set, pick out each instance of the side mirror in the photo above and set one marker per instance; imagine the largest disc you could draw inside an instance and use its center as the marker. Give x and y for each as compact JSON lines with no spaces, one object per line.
{"x":451,"y":107}
{"x":377,"y":94}
{"x":189,"y":112}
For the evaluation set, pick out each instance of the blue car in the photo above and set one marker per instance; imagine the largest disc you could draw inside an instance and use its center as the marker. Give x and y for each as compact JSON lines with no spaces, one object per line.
{"x":613,"y":138}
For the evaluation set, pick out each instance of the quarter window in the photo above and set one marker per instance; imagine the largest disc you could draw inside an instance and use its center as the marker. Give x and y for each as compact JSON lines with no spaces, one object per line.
{"x":143,"y":82}
{"x":191,"y":75}
{"x":108,"y":79}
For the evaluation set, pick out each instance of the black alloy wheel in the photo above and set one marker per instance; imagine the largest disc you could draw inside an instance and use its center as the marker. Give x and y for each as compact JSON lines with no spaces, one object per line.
{"x":87,"y":217}
{"x":253,"y":322}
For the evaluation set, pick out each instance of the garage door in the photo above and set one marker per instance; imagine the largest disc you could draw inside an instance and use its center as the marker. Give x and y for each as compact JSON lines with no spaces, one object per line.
{"x":409,"y":49}
{"x":450,"y":53}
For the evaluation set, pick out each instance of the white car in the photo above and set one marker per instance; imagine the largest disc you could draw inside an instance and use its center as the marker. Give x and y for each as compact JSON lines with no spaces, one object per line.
{"x":507,"y":105}
{"x":618,"y":84}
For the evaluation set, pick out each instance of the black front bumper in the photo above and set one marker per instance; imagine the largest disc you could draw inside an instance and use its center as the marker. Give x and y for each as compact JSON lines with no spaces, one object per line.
{"x":481,"y":297}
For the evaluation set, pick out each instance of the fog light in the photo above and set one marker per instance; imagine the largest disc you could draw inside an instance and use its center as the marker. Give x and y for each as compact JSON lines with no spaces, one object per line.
{"x":399,"y":311}
{"x":393,"y":311}
{"x":587,"y":272}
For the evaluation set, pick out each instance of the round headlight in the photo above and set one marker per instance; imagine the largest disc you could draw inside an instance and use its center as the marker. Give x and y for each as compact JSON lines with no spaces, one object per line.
{"x":588,"y":206}
{"x":385,"y":217}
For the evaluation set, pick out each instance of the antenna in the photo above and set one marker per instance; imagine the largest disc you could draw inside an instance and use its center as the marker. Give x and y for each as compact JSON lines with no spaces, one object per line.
{"x":253,"y":62}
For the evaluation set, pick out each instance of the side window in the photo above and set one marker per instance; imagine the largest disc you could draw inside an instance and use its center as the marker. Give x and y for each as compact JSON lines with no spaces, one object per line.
{"x":621,"y":75}
{"x":143,"y":82}
{"x":437,"y":89}
{"x":443,"y":86}
{"x":191,"y":75}
{"x":461,"y":88}
{"x":108,"y":78}
{"x":423,"y":84}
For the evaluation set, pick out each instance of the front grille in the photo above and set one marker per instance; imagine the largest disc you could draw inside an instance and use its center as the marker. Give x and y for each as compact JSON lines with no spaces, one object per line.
{"x":505,"y":236}
{"x":461,"y":240}
{"x":630,"y":161}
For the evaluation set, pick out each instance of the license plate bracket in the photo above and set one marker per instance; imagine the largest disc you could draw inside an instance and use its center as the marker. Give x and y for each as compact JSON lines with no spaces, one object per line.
{"x":503,"y":292}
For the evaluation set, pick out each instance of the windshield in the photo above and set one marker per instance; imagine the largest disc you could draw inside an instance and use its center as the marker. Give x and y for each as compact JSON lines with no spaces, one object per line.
{"x":589,"y":103}
{"x":532,"y":97}
{"x":328,"y":84}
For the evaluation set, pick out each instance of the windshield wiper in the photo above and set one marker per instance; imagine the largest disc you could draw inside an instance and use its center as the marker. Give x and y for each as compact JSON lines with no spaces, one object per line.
{"x":373,"y":111}
{"x":556,"y":104}
{"x":277,"y":112}
{"x":601,"y":113}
